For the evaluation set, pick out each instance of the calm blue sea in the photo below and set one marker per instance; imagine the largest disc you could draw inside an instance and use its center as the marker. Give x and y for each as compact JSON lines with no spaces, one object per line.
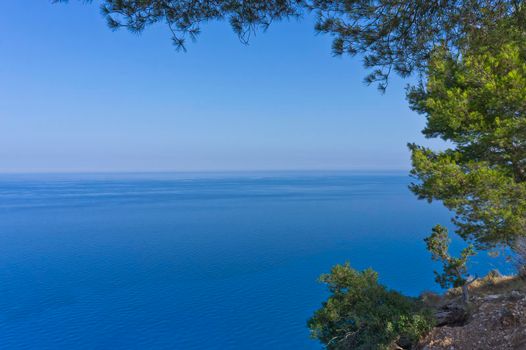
{"x":197,"y":261}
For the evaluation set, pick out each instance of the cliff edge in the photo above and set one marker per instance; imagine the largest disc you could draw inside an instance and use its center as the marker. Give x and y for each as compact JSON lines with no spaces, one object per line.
{"x":495,"y":318}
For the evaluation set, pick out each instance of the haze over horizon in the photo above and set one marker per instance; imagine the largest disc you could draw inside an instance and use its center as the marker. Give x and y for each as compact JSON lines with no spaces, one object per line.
{"x":78,"y":97}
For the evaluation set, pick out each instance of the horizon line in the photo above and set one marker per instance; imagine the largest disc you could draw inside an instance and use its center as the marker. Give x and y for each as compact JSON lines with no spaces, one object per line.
{"x":204,"y":171}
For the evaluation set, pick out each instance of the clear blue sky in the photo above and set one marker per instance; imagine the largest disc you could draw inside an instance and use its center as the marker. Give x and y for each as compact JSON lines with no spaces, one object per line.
{"x":76,"y":96}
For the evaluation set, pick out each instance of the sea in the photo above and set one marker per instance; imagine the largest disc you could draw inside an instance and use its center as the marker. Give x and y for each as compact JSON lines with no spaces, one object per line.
{"x":189,"y":261}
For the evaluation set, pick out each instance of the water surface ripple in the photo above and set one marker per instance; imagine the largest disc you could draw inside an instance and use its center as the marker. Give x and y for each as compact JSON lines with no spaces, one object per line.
{"x":225,"y":261}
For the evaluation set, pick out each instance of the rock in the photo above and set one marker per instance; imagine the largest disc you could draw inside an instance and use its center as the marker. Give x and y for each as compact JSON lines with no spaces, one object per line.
{"x":497,"y":321}
{"x":515,"y":295}
{"x":508,"y":318}
{"x":453,"y":314}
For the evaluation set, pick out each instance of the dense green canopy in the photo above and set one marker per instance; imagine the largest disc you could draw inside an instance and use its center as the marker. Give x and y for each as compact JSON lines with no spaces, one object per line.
{"x":476,"y":100}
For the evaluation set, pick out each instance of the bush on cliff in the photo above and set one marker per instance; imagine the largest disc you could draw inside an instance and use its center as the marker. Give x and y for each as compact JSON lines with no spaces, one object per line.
{"x":360,"y":313}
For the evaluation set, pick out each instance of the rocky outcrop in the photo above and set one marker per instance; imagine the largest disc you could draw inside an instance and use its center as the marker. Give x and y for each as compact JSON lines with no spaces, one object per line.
{"x":451,"y":314}
{"x":497,"y":320}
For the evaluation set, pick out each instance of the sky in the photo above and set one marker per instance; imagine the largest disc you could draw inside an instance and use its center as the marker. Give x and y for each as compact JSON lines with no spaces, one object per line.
{"x":78,"y":97}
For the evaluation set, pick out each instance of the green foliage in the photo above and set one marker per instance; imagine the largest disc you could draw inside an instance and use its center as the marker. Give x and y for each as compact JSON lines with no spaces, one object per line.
{"x":185,"y":17}
{"x":393,"y":35}
{"x":476,"y":100}
{"x":362,"y":314}
{"x":399,"y":35}
{"x":454,"y":273}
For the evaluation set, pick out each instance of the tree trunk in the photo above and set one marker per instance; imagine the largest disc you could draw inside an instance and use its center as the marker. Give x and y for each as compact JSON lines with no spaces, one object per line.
{"x":465,"y":294}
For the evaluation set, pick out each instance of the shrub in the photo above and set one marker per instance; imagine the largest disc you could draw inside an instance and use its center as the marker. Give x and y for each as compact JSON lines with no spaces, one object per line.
{"x":454,"y":270}
{"x":360,"y":313}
